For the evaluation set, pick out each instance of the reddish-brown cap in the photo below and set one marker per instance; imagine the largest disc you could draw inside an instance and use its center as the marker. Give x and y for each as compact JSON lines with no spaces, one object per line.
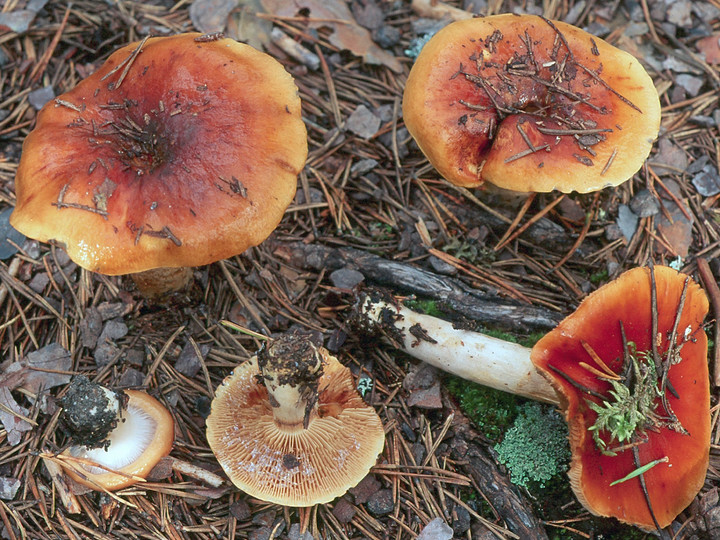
{"x":178,"y":151}
{"x":530,"y":104}
{"x":304,"y":467}
{"x":563,"y":356}
{"x":143,"y":436}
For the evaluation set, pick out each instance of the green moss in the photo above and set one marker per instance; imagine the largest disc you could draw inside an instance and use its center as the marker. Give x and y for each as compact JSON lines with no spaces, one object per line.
{"x":526,"y":341}
{"x":491,"y":410}
{"x":428,"y":307}
{"x":535,"y":448}
{"x":599,"y":277}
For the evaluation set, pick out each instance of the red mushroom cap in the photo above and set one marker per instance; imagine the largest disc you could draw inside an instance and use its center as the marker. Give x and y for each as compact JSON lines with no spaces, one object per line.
{"x":178,"y":151}
{"x":530,"y":104}
{"x":596,"y":326}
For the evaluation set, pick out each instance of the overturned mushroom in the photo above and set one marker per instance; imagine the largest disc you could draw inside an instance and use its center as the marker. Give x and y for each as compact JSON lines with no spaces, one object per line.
{"x":177,"y":152}
{"x":289,"y":427}
{"x":530,"y":104}
{"x":630,"y":370}
{"x":118,"y":436}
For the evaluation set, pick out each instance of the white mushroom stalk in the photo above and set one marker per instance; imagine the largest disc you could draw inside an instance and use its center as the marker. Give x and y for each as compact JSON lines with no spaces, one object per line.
{"x":290,"y":369}
{"x":471,"y":355}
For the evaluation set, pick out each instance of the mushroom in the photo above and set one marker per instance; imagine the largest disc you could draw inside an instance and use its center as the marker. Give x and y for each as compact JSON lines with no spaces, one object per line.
{"x":289,"y":427}
{"x":630,"y":371}
{"x":119,"y":436}
{"x":530,"y":104}
{"x":177,"y":152}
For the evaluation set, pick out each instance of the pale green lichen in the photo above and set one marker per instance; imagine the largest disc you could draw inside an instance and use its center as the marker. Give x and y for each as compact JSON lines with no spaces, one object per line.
{"x":536,"y":447}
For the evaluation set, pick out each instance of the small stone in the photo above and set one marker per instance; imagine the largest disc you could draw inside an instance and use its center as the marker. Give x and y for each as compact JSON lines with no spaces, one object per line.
{"x":380,"y":503}
{"x":188,"y":362}
{"x":113,"y":329}
{"x":636,"y":29}
{"x":678,"y":233}
{"x":105,"y":353}
{"x":698,"y":165}
{"x":240,"y":510}
{"x":422,"y":377}
{"x":671,"y":63}
{"x":294,"y":533}
{"x":264,"y":519}
{"x":46,"y":367}
{"x":702,"y":121}
{"x":38,"y":98}
{"x":9,"y":487}
{"x":365,"y":489}
{"x":344,"y":511}
{"x":386,"y":36}
{"x":690,"y":83}
{"x":39,"y":281}
{"x":712,"y":521}
{"x":363,"y":122}
{"x":707,"y":181}
{"x":627,"y":221}
{"x":135,"y":357}
{"x":90,"y":328}
{"x":346,"y":278}
{"x":429,"y":398}
{"x":367,"y":13}
{"x":670,"y":158}
{"x":203,"y":405}
{"x":112,"y":310}
{"x":161,"y":471}
{"x":62,"y":258}
{"x":461,"y":523}
{"x":644,"y":204}
{"x":263,"y":533}
{"x":441,"y":267}
{"x":679,"y":13}
{"x":363,"y":166}
{"x":574,"y":13}
{"x":131,"y":378}
{"x":437,"y":529}
{"x":8,"y":232}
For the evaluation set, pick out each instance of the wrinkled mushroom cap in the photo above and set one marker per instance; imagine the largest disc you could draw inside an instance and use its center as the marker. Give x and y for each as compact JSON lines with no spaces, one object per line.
{"x":673,"y":485}
{"x":483,"y":90}
{"x":304,"y":467}
{"x":143,"y":437}
{"x":188,"y":157}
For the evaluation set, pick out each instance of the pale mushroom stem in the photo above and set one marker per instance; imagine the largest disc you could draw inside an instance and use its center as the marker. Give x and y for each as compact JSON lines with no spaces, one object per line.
{"x":471,"y":355}
{"x":157,"y":282}
{"x":290,"y":368}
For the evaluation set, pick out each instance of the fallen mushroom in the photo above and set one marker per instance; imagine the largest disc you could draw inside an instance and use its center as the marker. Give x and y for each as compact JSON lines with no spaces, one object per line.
{"x":118,"y":436}
{"x":530,"y":104}
{"x":289,"y":427}
{"x":177,"y":152}
{"x":630,"y":371}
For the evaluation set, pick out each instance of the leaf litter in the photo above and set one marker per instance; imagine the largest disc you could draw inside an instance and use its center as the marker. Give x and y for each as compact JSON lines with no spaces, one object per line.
{"x":367,"y":203}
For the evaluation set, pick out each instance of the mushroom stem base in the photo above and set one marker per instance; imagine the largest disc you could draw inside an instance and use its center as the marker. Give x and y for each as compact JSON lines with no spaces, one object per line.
{"x":157,"y":282}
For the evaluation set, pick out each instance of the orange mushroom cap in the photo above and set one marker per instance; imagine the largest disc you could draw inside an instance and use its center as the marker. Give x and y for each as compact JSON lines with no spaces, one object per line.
{"x":530,"y":104}
{"x":144,"y":435}
{"x":291,"y":465}
{"x":560,"y":356}
{"x":178,"y":151}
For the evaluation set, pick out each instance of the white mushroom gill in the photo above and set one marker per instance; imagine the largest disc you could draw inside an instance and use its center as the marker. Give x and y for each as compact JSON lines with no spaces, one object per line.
{"x":133,"y":434}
